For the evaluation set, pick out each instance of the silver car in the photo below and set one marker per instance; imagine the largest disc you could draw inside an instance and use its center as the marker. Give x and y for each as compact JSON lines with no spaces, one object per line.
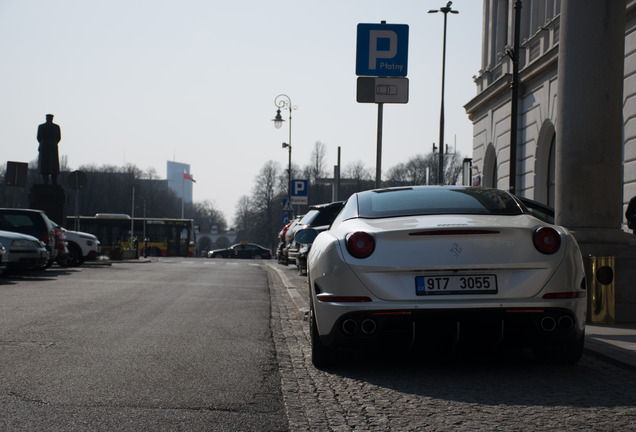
{"x":24,"y":252}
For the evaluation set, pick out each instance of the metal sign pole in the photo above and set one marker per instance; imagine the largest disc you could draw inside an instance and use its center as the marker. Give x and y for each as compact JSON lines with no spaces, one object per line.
{"x":378,"y":162}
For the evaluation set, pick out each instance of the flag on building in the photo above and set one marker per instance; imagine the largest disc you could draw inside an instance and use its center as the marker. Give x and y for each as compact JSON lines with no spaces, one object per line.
{"x":187,"y":176}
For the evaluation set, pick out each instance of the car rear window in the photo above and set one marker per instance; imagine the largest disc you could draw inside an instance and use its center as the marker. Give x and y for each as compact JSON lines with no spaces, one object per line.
{"x":322,"y":216}
{"x":309,"y":217}
{"x":435,"y":201}
{"x":21,"y":222}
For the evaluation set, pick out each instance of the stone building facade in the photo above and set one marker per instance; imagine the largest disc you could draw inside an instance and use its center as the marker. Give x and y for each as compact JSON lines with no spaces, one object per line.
{"x":490,"y":110}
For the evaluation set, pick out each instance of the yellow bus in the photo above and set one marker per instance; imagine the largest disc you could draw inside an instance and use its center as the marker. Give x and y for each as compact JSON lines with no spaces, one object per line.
{"x":147,"y":236}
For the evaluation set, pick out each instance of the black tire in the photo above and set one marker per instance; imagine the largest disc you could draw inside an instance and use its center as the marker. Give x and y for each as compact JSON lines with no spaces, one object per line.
{"x":321,"y":356}
{"x":565,"y":354}
{"x":65,"y":261}
{"x":75,"y":255}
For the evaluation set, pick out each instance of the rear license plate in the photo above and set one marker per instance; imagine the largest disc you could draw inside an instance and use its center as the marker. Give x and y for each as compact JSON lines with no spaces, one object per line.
{"x":456,"y":284}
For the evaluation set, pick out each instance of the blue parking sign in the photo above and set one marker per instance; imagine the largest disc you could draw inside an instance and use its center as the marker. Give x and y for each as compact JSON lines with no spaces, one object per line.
{"x":382,"y":50}
{"x":299,"y":192}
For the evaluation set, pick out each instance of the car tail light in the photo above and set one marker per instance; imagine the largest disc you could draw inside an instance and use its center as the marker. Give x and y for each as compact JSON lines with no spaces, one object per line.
{"x":547,"y":240}
{"x":360,"y":244}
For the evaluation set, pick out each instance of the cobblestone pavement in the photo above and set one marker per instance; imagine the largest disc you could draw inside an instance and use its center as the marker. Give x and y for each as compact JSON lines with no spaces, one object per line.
{"x":432,"y":394}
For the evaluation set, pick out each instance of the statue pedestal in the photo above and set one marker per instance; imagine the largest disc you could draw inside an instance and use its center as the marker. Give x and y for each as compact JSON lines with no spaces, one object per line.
{"x":51,"y":199}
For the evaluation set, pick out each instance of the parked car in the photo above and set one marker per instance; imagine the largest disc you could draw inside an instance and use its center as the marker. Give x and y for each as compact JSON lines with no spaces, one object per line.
{"x":23,"y":252}
{"x":282,"y":259}
{"x":3,"y":258}
{"x":81,"y":246}
{"x":287,"y":241}
{"x":242,"y":250}
{"x":31,"y":222}
{"x":60,"y":245}
{"x":444,"y":268}
{"x":319,"y":217}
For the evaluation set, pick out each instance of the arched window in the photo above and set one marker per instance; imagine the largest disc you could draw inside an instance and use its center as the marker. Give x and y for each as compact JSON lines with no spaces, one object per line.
{"x":491,"y":175}
{"x":551,"y":173}
{"x":545,"y":171}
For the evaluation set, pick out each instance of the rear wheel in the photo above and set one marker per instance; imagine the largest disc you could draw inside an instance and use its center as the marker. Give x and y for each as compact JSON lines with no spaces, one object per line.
{"x":321,"y":356}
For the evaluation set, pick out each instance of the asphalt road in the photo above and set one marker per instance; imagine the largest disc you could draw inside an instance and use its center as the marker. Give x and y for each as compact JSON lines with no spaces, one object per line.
{"x":174,"y":345}
{"x":222,"y":345}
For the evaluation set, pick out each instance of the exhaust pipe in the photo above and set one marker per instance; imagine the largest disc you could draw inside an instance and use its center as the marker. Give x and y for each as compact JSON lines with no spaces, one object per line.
{"x":566,"y":322}
{"x":548,"y":324}
{"x":368,"y":326}
{"x":349,"y":326}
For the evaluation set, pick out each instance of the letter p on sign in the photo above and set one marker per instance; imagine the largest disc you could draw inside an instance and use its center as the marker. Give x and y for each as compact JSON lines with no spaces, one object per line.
{"x":382,"y":45}
{"x":299,"y":188}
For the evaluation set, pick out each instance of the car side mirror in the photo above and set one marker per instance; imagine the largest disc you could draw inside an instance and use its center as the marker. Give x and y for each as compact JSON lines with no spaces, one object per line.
{"x":306,"y":236}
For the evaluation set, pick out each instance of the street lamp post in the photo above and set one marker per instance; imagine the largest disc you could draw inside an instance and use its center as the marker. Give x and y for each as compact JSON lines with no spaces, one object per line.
{"x":445,"y":10}
{"x":289,"y":179}
{"x":514,"y":99}
{"x":282,"y":101}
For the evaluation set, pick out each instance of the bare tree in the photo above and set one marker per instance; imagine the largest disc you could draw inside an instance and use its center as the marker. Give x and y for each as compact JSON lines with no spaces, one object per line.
{"x":283,"y":178}
{"x":207,"y":217}
{"x":423,"y":169}
{"x":264,"y":196}
{"x":150,"y":173}
{"x":242,"y":220}
{"x":316,"y":168}
{"x":357,"y":171}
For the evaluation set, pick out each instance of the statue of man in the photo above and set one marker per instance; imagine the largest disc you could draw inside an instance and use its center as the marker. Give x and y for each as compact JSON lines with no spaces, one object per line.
{"x":49,"y":136}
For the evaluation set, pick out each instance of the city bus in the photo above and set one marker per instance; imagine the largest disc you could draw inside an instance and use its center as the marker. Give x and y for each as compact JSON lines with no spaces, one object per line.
{"x":163,"y":236}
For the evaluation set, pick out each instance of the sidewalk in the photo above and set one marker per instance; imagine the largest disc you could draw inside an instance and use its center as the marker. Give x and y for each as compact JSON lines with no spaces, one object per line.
{"x":613,"y":342}
{"x":616,"y":342}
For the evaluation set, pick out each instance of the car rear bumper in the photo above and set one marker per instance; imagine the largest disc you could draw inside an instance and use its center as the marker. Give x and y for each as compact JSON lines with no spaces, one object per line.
{"x":449,"y":328}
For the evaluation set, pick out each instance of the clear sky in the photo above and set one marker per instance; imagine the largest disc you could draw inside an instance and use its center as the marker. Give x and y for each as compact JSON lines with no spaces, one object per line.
{"x":194,"y":81}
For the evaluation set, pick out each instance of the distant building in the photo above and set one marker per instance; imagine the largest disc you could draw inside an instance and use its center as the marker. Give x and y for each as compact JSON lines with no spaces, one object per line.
{"x":181,"y":188}
{"x":206,"y":241}
{"x":490,"y":112}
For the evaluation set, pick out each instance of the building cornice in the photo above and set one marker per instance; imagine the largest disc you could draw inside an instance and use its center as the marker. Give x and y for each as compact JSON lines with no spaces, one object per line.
{"x":498,"y":89}
{"x":492,"y":92}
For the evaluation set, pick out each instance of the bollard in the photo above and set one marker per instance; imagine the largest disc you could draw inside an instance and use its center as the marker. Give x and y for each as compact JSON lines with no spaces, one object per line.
{"x":602,"y":290}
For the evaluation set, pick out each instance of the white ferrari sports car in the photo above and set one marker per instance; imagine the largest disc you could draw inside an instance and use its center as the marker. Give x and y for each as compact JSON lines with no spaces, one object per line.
{"x":444,"y":268}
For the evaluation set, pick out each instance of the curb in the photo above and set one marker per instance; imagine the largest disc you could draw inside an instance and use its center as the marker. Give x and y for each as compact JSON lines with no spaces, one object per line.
{"x":296,"y":297}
